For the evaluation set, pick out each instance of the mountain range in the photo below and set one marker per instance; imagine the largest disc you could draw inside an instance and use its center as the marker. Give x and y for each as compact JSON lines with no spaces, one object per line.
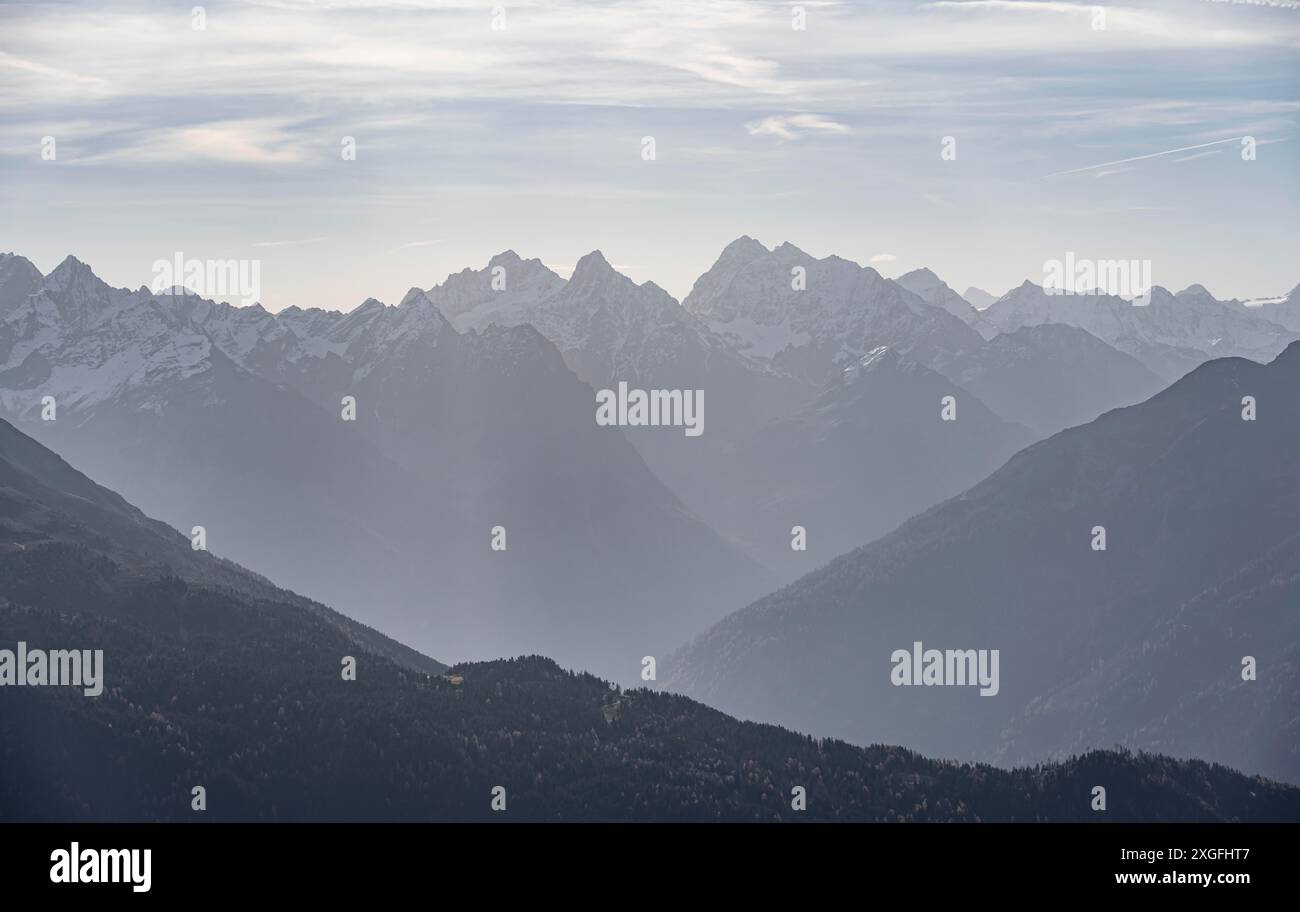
{"x":821,"y":383}
{"x":1170,"y":334}
{"x":220,"y":685}
{"x":1138,"y":576}
{"x":1283,"y":310}
{"x":232,"y":419}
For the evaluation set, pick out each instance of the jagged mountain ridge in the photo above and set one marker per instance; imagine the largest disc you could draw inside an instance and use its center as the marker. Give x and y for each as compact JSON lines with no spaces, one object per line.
{"x":231,"y":418}
{"x":1170,"y":335}
{"x":808,"y":317}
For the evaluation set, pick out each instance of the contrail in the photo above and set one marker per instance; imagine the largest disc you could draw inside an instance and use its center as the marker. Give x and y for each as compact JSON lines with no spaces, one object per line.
{"x":1141,"y":157}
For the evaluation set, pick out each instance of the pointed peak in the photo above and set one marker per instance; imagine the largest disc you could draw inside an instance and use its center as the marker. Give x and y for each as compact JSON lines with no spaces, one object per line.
{"x":592,"y":267}
{"x":505,"y":258}
{"x":371,"y":304}
{"x":71,"y":266}
{"x":978,"y":298}
{"x":73,"y":272}
{"x":595,"y":257}
{"x":924,"y":273}
{"x":920,"y":280}
{"x":789,"y":249}
{"x":418,"y":312}
{"x":11,"y":262}
{"x":745,"y":246}
{"x":412,"y":295}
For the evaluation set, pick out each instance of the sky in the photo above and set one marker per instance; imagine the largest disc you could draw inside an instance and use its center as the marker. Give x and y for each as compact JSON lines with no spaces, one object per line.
{"x":480,"y":127}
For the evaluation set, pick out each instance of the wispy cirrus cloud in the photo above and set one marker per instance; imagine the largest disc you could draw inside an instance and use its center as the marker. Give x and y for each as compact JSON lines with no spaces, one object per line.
{"x":410,"y":245}
{"x":794,"y":126}
{"x":819,"y":134}
{"x":299,"y":243}
{"x":248,"y":142}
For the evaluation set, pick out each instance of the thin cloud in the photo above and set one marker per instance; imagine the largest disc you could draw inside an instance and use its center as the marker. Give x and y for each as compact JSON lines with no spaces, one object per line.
{"x":315,"y":240}
{"x":795,"y":125}
{"x":410,"y":244}
{"x":246,"y":142}
{"x":883,"y":258}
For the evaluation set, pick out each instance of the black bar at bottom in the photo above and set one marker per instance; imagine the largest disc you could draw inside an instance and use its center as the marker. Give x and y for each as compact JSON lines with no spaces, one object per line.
{"x":330,"y":862}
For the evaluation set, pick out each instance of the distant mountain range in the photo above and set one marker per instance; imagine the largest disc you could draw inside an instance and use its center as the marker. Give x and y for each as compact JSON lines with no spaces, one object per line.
{"x":231,"y":419}
{"x":1284,"y":310}
{"x":215,"y":680}
{"x":1170,"y":335}
{"x":821,"y":384}
{"x":1145,"y":642}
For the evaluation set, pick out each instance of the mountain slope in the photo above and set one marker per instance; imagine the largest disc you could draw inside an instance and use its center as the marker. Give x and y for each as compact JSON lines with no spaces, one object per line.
{"x":237,"y":688}
{"x":52,"y":516}
{"x":933,"y":290}
{"x":978,"y":297}
{"x":501,"y":413}
{"x":1051,"y":376}
{"x":18,"y":278}
{"x":869,"y":452}
{"x":609,"y":330}
{"x":1195,"y":503}
{"x":148,"y":402}
{"x":232,"y":418}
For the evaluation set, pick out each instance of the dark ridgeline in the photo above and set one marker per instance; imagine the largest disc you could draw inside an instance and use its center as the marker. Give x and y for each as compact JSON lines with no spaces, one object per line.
{"x":215,"y":678}
{"x":1141,"y":644}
